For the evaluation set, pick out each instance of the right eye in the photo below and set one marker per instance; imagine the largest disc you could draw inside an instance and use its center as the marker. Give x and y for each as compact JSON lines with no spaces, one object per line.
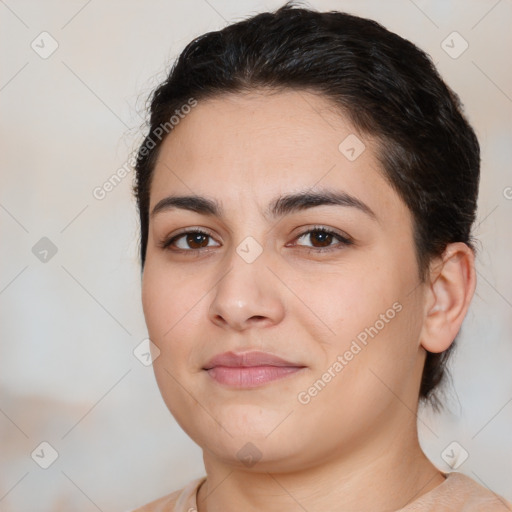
{"x":188,"y":241}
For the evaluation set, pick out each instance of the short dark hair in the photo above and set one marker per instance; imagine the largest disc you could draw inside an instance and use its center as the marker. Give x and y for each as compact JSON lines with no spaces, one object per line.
{"x":387,"y":87}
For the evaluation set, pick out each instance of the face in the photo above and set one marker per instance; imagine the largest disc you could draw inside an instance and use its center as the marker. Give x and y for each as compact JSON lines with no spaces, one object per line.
{"x":301,"y":250}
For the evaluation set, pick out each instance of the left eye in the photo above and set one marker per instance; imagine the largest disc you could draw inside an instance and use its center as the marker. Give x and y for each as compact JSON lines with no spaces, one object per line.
{"x":322,"y":238}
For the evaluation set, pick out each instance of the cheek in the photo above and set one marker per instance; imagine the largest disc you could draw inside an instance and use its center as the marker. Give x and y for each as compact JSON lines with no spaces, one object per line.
{"x":370,"y":317}
{"x":174,"y":309}
{"x":171,"y":307}
{"x":350,"y":300}
{"x":157,"y":303}
{"x":168,"y":299}
{"x":382,"y":350}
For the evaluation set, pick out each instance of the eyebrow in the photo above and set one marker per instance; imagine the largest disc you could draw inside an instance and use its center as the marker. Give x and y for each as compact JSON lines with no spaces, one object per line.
{"x":279,"y":207}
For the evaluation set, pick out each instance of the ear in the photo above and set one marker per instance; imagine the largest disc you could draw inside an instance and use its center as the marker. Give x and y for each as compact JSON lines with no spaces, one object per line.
{"x":452,"y":285}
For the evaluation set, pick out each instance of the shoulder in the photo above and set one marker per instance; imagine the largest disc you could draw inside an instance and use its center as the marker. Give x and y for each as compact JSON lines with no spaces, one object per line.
{"x":182,"y":499}
{"x":475,"y":494}
{"x":459,"y":493}
{"x":163,"y":504}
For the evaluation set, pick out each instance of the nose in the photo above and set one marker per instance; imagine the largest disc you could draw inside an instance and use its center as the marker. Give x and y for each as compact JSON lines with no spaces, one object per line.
{"x":246,"y":296}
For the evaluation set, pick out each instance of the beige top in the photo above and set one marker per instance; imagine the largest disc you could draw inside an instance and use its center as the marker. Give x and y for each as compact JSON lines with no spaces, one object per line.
{"x":458,"y":493}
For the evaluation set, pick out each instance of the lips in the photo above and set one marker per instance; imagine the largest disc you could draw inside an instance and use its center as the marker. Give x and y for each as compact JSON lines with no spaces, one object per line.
{"x":248,"y":359}
{"x":249,"y":369}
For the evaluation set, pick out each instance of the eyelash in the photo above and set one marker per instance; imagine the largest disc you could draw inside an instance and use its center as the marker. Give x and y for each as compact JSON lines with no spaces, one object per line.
{"x":344,"y":240}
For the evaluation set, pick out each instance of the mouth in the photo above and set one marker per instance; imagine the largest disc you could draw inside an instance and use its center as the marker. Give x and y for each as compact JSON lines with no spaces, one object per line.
{"x":249,"y":369}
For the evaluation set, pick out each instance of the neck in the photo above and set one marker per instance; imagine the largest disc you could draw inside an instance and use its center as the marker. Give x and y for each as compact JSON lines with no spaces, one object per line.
{"x":381,"y":474}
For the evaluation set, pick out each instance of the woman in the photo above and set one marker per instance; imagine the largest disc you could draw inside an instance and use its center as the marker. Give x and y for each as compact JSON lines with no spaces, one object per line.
{"x":306,"y":196}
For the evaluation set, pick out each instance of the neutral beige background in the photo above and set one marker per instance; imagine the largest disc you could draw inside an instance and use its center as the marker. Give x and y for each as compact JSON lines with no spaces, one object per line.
{"x":69,"y":325}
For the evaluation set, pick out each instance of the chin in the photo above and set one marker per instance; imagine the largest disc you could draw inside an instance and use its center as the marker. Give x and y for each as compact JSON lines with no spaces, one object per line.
{"x":259,"y":454}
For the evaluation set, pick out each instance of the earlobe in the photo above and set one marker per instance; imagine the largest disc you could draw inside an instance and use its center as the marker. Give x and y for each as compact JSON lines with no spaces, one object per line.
{"x":452,"y":285}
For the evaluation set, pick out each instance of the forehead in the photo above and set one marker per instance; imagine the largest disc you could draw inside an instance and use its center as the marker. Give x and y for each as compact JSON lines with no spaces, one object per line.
{"x":246,"y":148}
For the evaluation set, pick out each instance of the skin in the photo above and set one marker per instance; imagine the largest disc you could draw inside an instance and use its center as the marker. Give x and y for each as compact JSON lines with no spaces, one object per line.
{"x":354,"y":446}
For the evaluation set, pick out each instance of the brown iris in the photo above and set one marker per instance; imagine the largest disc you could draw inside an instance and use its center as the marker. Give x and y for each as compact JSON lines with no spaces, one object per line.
{"x":197,"y":240}
{"x":324,"y":239}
